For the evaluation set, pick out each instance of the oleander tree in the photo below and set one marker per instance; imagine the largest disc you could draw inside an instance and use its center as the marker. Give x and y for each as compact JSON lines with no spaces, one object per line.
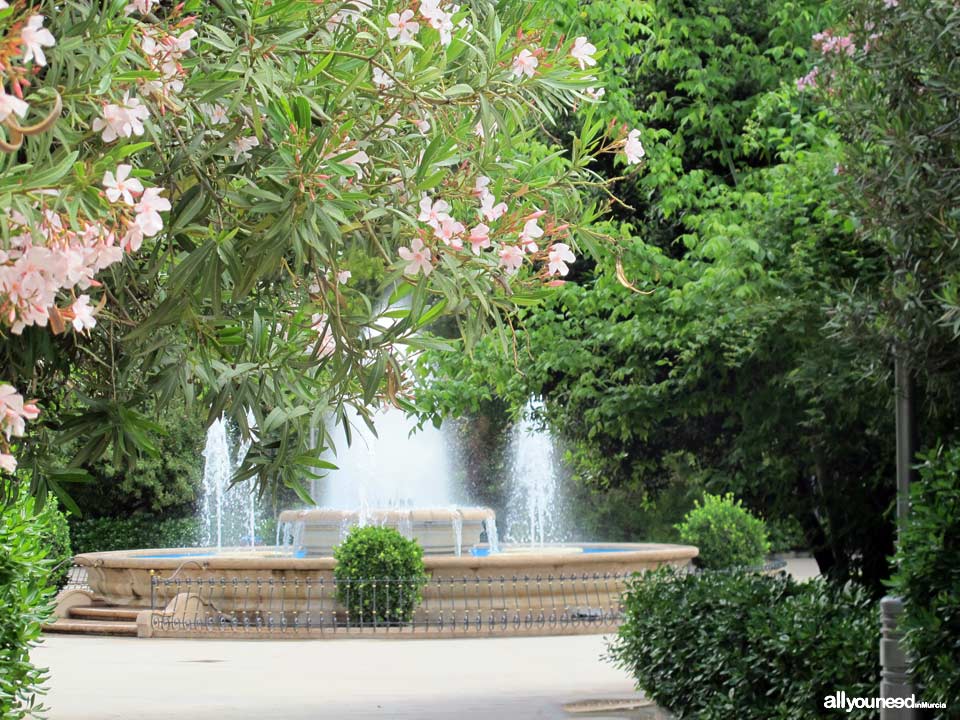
{"x":190,"y":188}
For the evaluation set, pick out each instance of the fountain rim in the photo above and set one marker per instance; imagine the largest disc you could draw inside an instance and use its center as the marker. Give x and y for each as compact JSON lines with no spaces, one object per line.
{"x":246,"y":559}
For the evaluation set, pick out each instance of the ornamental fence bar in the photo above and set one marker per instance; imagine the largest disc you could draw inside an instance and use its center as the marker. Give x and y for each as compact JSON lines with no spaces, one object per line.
{"x":551,"y":604}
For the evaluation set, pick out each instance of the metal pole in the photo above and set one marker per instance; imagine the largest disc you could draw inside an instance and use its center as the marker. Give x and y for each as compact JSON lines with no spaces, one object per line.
{"x":894,"y":664}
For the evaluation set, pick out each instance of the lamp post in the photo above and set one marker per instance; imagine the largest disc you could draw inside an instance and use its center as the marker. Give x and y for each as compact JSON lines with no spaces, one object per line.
{"x":894,"y":666}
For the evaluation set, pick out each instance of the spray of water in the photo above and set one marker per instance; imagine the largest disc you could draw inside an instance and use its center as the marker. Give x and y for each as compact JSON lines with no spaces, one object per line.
{"x":228,"y":514}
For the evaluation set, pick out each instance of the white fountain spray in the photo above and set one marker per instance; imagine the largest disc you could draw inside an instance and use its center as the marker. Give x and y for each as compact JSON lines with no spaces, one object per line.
{"x":228,"y":514}
{"x":533,"y":512}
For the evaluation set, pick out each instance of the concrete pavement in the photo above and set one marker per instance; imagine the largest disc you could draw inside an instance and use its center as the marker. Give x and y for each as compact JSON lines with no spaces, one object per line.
{"x":488,"y":678}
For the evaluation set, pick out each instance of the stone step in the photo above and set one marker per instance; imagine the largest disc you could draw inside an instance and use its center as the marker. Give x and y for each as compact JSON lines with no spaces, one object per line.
{"x":92,"y":627}
{"x":95,"y":612}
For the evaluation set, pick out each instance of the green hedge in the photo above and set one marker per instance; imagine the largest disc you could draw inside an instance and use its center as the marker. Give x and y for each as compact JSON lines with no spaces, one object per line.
{"x":137,"y":531}
{"x":721,"y":645}
{"x":368,"y":557}
{"x":56,"y":539}
{"x":725,"y":532}
{"x":26,"y":594}
{"x":928,"y":578}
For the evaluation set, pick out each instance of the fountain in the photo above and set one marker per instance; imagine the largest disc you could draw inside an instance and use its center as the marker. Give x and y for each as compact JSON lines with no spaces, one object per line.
{"x":392,"y":479}
{"x":228,"y":514}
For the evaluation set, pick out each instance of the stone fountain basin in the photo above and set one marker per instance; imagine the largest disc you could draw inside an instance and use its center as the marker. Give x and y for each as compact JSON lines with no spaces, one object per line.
{"x":534,"y":576}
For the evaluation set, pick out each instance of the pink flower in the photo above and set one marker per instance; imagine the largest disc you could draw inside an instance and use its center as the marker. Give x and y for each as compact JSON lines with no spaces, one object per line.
{"x":141,"y":6}
{"x":582,"y":51}
{"x":439,"y":19}
{"x":8,"y":463}
{"x":809,"y":80}
{"x":558,"y":257}
{"x":216,"y":114}
{"x":417,"y":256}
{"x":381,"y":79}
{"x":402,"y":26}
{"x":490,"y":209}
{"x":479,"y":238}
{"x":528,"y":236}
{"x":242,"y":146}
{"x":449,"y":230}
{"x":82,"y":311}
{"x":890,"y":4}
{"x":34,"y":37}
{"x":121,"y":185}
{"x":14,"y":411}
{"x":525,"y":63}
{"x":148,"y":211}
{"x":432,"y":212}
{"x":343,"y":276}
{"x":321,"y":326}
{"x":511,"y":258}
{"x":595,"y":93}
{"x":133,"y":238}
{"x":633,"y":148}
{"x":122,"y":120}
{"x":481,"y":185}
{"x":11,"y":104}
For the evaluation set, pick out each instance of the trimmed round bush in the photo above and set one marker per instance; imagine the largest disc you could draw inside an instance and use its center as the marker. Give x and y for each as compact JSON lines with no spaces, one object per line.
{"x":380,"y":575}
{"x":726,"y":534}
{"x":716,"y":646}
{"x":928,"y":579}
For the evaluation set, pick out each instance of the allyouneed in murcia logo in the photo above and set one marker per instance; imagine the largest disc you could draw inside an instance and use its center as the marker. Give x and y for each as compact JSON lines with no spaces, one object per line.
{"x":841,"y":701}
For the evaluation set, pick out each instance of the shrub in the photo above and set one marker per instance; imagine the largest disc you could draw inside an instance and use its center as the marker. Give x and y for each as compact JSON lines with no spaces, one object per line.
{"x":741,"y":645}
{"x":56,"y":540}
{"x":725,"y":532}
{"x":928,"y":577}
{"x":138,"y":531}
{"x":379,"y":575}
{"x":25,"y":600}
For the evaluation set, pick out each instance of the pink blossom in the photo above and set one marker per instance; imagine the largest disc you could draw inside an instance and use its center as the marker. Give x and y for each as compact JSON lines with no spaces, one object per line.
{"x":583,"y":51}
{"x":490,"y":209}
{"x":528,"y":236}
{"x":481,"y":186}
{"x":595,"y":93}
{"x":449,"y":231}
{"x":122,"y":120}
{"x":381,"y":79}
{"x":828,"y":43}
{"x":8,"y":463}
{"x":82,"y":311}
{"x":633,"y":148}
{"x":890,"y":4}
{"x":14,"y":411}
{"x":343,"y":276}
{"x":242,"y":146}
{"x":417,"y":256}
{"x":525,"y":63}
{"x":216,"y":114}
{"x":432,"y":212}
{"x":511,"y":258}
{"x":133,"y":238}
{"x":148,"y":211}
{"x":809,"y":80}
{"x":439,"y":19}
{"x":558,"y":257}
{"x":11,"y":104}
{"x":141,"y":6}
{"x":121,"y":185}
{"x":402,"y":26}
{"x":423,"y":125}
{"x":320,"y":324}
{"x":34,"y":37}
{"x":479,"y":238}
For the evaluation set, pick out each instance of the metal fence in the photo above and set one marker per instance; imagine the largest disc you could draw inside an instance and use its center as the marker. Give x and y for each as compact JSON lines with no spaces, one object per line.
{"x":551,"y":604}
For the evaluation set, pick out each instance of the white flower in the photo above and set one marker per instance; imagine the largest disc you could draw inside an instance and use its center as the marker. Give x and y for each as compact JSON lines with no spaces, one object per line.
{"x":343,"y":276}
{"x":148,"y":211}
{"x":11,"y":104}
{"x":381,"y":79}
{"x":121,"y":120}
{"x":8,"y":463}
{"x":582,"y":51}
{"x":402,"y":26}
{"x":242,"y":146}
{"x":34,"y":37}
{"x":525,"y":63}
{"x":216,"y":114}
{"x":558,"y":257}
{"x":596,"y":93}
{"x":121,"y":185}
{"x":83,"y":318}
{"x":633,"y":148}
{"x":141,"y":6}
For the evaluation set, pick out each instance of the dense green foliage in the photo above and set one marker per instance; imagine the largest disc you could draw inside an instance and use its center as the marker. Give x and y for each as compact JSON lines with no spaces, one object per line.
{"x":136,"y":531}
{"x":726,"y":534}
{"x":731,"y":374}
{"x":56,"y":539}
{"x":721,"y":645}
{"x":379,"y":574}
{"x":928,"y":578}
{"x":25,"y":599}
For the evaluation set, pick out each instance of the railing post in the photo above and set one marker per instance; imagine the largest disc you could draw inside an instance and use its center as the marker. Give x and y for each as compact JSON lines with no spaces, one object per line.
{"x":894,"y":666}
